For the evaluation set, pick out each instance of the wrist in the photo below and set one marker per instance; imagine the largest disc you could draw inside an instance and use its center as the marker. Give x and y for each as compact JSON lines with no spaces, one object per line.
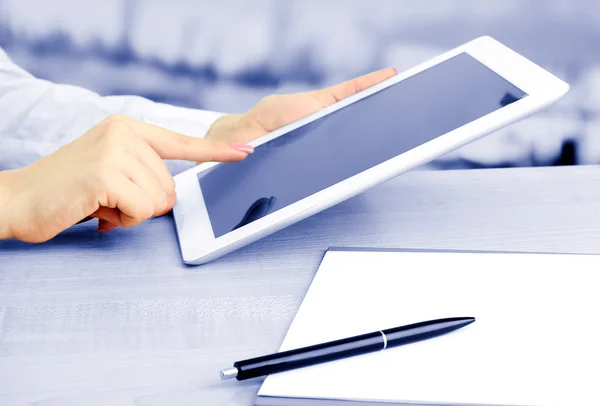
{"x":225,"y":128}
{"x":7,"y":190}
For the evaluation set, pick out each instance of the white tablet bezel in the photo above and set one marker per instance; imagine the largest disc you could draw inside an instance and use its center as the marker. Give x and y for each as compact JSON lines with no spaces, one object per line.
{"x":196,"y":238}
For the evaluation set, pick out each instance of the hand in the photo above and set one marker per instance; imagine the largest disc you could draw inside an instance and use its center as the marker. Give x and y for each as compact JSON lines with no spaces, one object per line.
{"x":115,"y":172}
{"x":277,"y":111}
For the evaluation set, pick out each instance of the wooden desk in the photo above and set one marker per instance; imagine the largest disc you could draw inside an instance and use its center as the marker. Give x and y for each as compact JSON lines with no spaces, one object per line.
{"x":116,"y":319}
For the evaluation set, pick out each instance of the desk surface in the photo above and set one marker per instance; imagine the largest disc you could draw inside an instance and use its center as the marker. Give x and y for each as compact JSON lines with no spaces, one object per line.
{"x":117,"y":319}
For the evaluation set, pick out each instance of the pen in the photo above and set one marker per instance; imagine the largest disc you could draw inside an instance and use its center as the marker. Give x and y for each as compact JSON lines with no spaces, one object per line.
{"x":343,"y":348}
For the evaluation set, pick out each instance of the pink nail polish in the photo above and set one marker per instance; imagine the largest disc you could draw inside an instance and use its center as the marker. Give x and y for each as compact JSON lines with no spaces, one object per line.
{"x":243,"y":147}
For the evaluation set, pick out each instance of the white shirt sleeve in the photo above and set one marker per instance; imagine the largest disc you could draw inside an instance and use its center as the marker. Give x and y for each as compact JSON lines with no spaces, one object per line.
{"x":37,"y":116}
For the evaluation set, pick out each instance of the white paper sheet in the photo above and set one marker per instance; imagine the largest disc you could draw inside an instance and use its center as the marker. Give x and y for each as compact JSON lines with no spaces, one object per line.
{"x":536,"y":340}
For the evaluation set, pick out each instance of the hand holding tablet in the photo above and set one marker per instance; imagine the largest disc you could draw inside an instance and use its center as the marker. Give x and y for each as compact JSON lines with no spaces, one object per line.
{"x":356,"y":143}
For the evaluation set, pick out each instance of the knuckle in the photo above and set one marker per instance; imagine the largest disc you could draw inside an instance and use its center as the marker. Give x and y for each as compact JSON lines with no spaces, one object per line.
{"x":184,"y":141}
{"x":211,"y":146}
{"x":170,"y":185}
{"x":115,"y":128}
{"x":159,"y":201}
{"x":142,"y":212}
{"x":355,"y":87}
{"x":145,"y":211}
{"x":100,"y":180}
{"x":163,"y":204}
{"x":115,"y":117}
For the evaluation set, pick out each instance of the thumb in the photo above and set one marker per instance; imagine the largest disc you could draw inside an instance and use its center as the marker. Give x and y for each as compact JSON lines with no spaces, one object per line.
{"x":104,"y":226}
{"x":110,"y":218}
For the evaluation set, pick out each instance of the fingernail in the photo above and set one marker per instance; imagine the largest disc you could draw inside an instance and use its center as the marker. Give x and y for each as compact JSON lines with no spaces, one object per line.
{"x":243,"y":147}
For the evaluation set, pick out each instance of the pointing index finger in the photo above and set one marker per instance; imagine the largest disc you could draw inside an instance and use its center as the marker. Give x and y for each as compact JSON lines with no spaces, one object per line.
{"x":171,"y":145}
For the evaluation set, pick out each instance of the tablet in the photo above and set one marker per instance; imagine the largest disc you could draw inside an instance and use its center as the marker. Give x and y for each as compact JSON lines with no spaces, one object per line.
{"x":364,"y":140}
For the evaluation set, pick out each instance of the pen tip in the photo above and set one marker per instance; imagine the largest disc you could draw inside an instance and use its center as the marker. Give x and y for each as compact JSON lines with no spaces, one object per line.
{"x":462,"y":321}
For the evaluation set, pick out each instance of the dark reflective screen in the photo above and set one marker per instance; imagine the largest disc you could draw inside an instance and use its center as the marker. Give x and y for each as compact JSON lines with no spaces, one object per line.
{"x":351,"y":140}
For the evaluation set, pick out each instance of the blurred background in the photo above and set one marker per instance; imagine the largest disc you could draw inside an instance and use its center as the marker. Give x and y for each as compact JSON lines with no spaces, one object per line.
{"x":225,"y":55}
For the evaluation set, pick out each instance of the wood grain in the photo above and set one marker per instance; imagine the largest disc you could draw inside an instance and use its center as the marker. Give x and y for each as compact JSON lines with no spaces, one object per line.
{"x":116,"y":319}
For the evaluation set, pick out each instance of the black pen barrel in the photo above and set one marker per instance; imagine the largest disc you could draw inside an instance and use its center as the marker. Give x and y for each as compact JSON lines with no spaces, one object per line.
{"x":302,"y":357}
{"x":344,"y":348}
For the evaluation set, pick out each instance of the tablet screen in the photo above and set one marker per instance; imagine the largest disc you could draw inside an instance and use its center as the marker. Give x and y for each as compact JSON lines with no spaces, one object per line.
{"x":351,"y":140}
